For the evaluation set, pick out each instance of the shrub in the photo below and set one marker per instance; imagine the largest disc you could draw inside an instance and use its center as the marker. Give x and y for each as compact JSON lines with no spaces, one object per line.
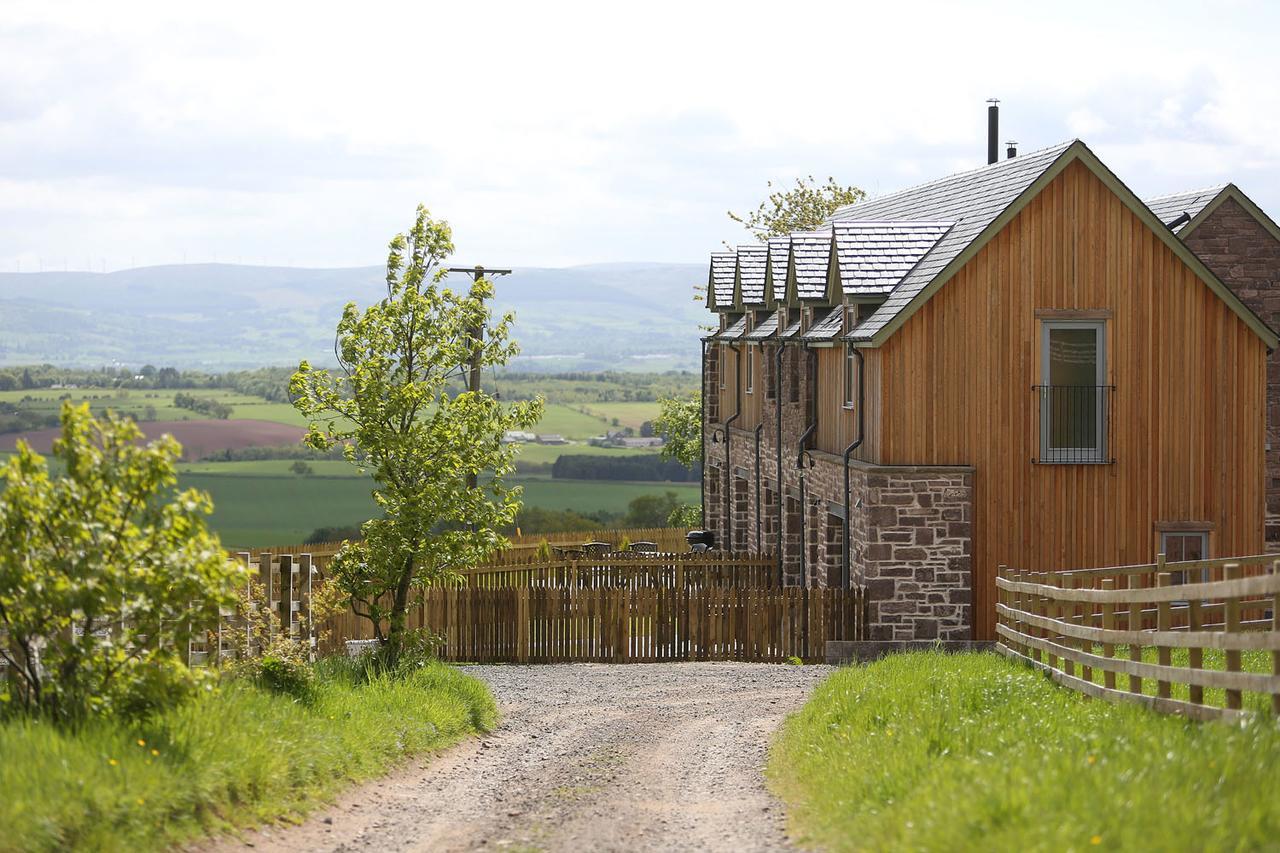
{"x":104,"y":573}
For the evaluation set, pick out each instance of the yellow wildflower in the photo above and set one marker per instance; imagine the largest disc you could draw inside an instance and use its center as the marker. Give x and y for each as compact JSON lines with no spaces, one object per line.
{"x":112,"y":762}
{"x":141,"y":742}
{"x":1093,"y":760}
{"x":155,"y":752}
{"x":1096,"y":840}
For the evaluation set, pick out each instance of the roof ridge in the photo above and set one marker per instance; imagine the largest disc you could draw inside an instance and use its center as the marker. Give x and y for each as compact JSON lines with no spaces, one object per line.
{"x":1060,"y":147}
{"x":1215,"y":189}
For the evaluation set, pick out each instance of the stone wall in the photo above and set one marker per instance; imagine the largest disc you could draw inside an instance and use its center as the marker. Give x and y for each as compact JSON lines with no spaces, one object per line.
{"x":1246,"y":256}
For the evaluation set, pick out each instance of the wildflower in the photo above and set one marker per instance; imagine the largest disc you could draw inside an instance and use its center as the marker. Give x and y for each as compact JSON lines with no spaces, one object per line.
{"x":1096,"y":840}
{"x":888,"y":732}
{"x":1093,"y":760}
{"x":141,"y":742}
{"x":155,"y":752}
{"x":141,"y":801}
{"x":112,"y":762}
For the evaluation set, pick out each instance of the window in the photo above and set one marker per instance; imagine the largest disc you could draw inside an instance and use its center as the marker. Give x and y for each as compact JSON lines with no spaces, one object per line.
{"x":1074,"y":397}
{"x":1181,"y":545}
{"x":724,"y":364}
{"x":770,"y":373}
{"x":750,"y":368}
{"x":850,"y":376}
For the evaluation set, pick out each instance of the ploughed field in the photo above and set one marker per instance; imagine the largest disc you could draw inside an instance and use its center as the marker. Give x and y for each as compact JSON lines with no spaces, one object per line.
{"x":199,"y":438}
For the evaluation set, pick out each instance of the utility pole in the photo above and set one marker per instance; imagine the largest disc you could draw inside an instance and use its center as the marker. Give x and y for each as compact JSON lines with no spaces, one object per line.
{"x":477,"y":336}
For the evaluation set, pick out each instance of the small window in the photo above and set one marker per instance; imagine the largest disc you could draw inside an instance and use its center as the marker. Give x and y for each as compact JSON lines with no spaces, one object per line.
{"x":724,"y":365}
{"x":770,"y":373}
{"x":750,"y":368}
{"x":1074,"y":397}
{"x":850,"y":376}
{"x":1185,"y":545}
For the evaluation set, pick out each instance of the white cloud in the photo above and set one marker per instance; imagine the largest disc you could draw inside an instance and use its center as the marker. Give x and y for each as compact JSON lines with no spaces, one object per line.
{"x":574,"y":132}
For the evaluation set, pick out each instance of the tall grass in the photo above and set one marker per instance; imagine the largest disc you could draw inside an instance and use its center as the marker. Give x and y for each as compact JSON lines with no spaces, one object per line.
{"x":233,"y":756}
{"x":930,"y":751}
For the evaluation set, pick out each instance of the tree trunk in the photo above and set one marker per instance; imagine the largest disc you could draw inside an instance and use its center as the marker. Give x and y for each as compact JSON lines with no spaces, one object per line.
{"x":399,"y":607}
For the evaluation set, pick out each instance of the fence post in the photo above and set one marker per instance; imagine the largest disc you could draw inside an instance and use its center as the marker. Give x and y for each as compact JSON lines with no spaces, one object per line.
{"x":1195,"y":654}
{"x":1135,"y":625}
{"x":1109,"y":624}
{"x":286,"y":594}
{"x":1275,"y":629}
{"x":1231,"y":609}
{"x":1163,"y":623}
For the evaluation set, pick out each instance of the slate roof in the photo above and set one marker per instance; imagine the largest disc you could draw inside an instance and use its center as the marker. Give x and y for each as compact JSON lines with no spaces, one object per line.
{"x":1170,"y":208}
{"x":734,"y":331}
{"x":827,"y":327}
{"x":874,"y":255}
{"x":720,"y":281}
{"x":751,"y":267}
{"x":811,"y":255}
{"x":790,"y":331}
{"x":779,"y":249}
{"x":764,"y":331}
{"x":972,"y":200}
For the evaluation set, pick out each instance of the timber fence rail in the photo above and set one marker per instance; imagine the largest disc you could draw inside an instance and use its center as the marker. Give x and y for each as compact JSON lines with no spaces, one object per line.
{"x":1091,"y":628}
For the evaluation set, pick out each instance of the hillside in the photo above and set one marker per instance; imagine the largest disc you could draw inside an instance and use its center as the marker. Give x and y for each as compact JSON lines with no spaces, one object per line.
{"x":222,"y":316}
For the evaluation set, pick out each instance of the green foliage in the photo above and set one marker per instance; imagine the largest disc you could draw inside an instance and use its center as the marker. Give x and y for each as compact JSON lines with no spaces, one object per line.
{"x":651,"y":510}
{"x":536,"y":519}
{"x":104,"y":573}
{"x":231,"y":757}
{"x":803,"y":208}
{"x":930,"y":751}
{"x":202,"y":405}
{"x":648,"y":467}
{"x":422,"y":440}
{"x":285,"y":674}
{"x":302,"y":469}
{"x":680,"y":424}
{"x":685,"y":515}
{"x":543,"y":551}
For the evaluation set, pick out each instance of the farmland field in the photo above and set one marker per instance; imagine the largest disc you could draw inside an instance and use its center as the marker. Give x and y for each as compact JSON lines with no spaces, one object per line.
{"x":198,"y":437}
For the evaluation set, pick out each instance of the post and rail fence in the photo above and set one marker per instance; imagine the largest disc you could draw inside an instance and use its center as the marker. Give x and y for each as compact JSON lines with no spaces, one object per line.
{"x":1159,"y":634}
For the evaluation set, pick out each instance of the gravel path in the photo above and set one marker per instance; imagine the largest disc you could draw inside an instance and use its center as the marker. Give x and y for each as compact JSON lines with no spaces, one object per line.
{"x":587,"y":757}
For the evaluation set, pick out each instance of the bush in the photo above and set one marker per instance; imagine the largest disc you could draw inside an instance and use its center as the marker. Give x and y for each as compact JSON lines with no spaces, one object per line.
{"x":104,"y":574}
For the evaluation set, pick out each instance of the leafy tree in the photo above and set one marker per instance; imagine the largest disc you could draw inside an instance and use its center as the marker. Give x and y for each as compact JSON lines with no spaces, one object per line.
{"x":679,"y":422}
{"x":104,"y":573}
{"x":394,"y":404}
{"x":302,"y":469}
{"x":803,"y":208}
{"x":8,"y":382}
{"x":651,"y":510}
{"x":27,"y":382}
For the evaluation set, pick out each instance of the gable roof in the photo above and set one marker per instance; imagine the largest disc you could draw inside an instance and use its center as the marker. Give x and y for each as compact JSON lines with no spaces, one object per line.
{"x":764,"y":329}
{"x":872,"y":256}
{"x":1182,"y":207}
{"x":776,"y":272}
{"x":972,"y":200}
{"x":809,"y":265}
{"x":720,"y":280}
{"x":749,"y":279}
{"x":982,"y":202}
{"x":1225,"y":192}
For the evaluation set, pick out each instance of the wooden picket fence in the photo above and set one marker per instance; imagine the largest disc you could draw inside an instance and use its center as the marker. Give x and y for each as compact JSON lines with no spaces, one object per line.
{"x":629,"y":570}
{"x":1074,"y":624}
{"x":667,"y":540}
{"x":630,"y":625}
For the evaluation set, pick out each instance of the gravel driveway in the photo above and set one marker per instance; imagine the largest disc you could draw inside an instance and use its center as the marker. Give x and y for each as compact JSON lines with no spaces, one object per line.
{"x":587,"y":757}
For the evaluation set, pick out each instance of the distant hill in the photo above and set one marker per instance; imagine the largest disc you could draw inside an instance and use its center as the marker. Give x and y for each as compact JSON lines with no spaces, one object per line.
{"x":220,"y":316}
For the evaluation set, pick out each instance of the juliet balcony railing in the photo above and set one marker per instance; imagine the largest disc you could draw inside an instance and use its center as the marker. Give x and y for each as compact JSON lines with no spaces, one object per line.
{"x":1075,"y":424}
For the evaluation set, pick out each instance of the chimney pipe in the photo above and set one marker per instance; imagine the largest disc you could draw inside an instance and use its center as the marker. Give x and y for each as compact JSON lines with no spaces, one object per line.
{"x":1012,"y":150}
{"x":993,"y":130}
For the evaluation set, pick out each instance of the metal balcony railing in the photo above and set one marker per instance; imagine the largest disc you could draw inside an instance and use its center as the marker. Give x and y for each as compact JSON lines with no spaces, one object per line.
{"x":1075,"y":423}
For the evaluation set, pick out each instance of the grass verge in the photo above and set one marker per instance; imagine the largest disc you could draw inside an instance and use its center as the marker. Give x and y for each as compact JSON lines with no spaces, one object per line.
{"x":230,"y":758}
{"x":929,"y":751}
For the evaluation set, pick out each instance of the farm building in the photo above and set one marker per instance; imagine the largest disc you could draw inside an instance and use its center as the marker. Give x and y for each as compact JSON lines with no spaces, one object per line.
{"x":1022,"y":364}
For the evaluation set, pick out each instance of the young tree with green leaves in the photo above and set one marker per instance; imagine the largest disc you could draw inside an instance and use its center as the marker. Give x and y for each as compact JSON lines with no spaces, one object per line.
{"x":393,"y":405}
{"x":679,"y":422}
{"x":803,"y":208}
{"x":104,"y":573}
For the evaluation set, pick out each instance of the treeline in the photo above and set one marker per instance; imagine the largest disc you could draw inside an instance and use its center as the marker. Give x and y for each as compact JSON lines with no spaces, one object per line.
{"x":648,"y":467}
{"x":271,"y":383}
{"x":202,"y":405}
{"x":279,"y":451}
{"x":609,"y":386}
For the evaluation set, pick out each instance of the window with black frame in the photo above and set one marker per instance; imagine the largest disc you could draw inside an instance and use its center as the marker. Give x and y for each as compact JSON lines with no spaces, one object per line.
{"x":1074,"y":399}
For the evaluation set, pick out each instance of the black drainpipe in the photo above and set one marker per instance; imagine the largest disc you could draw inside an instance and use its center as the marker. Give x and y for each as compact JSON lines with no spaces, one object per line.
{"x":706,"y":402}
{"x":759,"y":514}
{"x":801,"y":456}
{"x":782,"y":515}
{"x":848,"y":451}
{"x":728,"y":460}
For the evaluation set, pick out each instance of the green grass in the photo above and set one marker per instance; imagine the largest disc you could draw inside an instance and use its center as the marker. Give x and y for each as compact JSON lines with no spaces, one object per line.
{"x":608,"y":495}
{"x":628,"y":414}
{"x":570,"y":423}
{"x":230,"y":758}
{"x":549,"y":453}
{"x":929,"y":751}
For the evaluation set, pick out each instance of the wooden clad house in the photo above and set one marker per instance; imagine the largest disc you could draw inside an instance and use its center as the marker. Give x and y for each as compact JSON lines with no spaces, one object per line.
{"x":1021,"y":364}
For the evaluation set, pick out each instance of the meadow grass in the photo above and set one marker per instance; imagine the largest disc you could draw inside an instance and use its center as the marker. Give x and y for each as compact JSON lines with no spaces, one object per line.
{"x":236,"y":756}
{"x":929,"y":751}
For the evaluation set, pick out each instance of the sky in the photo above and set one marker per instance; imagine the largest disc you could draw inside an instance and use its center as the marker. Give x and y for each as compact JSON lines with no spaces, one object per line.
{"x":555,"y":134}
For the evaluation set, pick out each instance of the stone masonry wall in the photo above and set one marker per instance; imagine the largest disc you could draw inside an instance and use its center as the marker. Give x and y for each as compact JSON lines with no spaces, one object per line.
{"x":1242,"y":253}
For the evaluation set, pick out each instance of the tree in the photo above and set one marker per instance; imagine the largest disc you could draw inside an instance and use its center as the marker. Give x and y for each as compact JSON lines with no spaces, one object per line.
{"x":104,"y":573}
{"x":27,"y":382}
{"x":301,"y":468}
{"x":651,"y":510}
{"x":395,"y":406}
{"x":804,"y":208}
{"x":679,"y":422}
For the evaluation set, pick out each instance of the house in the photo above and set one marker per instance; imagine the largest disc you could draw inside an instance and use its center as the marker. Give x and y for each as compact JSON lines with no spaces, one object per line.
{"x":516,"y":436}
{"x":552,"y":438}
{"x":1022,"y":364}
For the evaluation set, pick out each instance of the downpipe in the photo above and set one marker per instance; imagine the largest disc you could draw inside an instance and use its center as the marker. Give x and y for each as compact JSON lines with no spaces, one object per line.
{"x":803,"y":456}
{"x":759,"y":514}
{"x":706,"y":403}
{"x":778,"y":400}
{"x":848,"y":452}
{"x":728,"y":459}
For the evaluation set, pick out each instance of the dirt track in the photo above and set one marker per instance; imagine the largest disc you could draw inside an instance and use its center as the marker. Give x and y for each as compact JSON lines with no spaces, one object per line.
{"x":587,"y":757}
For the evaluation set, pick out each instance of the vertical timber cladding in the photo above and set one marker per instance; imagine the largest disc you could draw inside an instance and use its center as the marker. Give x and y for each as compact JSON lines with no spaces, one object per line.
{"x":1187,"y":416}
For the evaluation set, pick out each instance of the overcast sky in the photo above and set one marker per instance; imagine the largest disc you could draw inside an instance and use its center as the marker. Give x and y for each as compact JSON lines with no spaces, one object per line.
{"x":553,"y":134}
